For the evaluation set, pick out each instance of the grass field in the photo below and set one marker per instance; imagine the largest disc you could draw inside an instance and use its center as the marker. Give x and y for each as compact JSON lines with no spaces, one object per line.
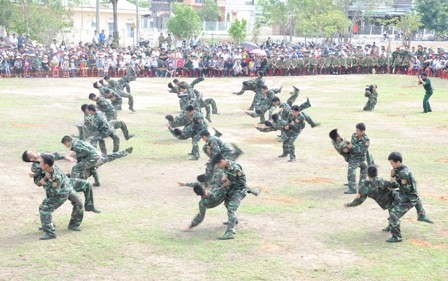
{"x":297,"y":229}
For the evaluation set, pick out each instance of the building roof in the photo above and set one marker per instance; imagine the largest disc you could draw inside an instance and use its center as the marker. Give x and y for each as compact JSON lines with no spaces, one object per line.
{"x":105,"y":4}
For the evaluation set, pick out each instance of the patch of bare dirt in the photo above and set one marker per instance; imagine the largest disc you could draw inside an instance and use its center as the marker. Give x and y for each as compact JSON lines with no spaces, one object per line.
{"x":436,"y":197}
{"x":426,"y":244}
{"x":28,"y":125}
{"x":316,"y":180}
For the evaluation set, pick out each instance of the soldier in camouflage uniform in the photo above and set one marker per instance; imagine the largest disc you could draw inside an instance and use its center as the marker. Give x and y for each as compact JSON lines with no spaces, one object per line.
{"x":264,"y":105}
{"x":388,"y":199}
{"x":124,"y":83}
{"x":372,"y":94}
{"x":114,"y":97}
{"x":102,"y":130}
{"x":340,"y":143}
{"x":357,"y":148}
{"x":89,"y":157}
{"x":234,"y":181}
{"x":296,"y":123}
{"x":58,"y":190}
{"x":424,"y":80}
{"x":114,"y":86}
{"x":403,"y":179}
{"x":104,"y":106}
{"x":78,"y":185}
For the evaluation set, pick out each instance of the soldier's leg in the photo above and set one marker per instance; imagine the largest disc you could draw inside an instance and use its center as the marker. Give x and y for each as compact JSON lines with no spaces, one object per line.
{"x":81,"y":130}
{"x":118,"y":124}
{"x":77,"y":210}
{"x":285,"y":148}
{"x":367,"y":107}
{"x":195,"y":147}
{"x":234,"y":202}
{"x":102,"y":145}
{"x":305,"y":105}
{"x":394,"y":220}
{"x":255,"y":101}
{"x":116,"y":141}
{"x":130,"y":100}
{"x":294,"y":95}
{"x":310,"y":121}
{"x":351,"y":176}
{"x":46,"y":210}
{"x":208,"y":113}
{"x":212,"y":103}
{"x":111,"y":157}
{"x":420,"y":210}
{"x":292,"y":148}
{"x":95,"y":175}
{"x":196,"y":81}
{"x":200,"y":216}
{"x":362,"y":172}
{"x":85,"y":187}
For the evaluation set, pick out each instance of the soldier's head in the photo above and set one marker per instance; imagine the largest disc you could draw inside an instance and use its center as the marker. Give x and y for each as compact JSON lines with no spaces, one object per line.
{"x":176,"y":81}
{"x":275,"y":117}
{"x":424,"y":76}
{"x":260,"y":74}
{"x":67,"y":141}
{"x":202,"y":178}
{"x":372,"y":171}
{"x":360,"y":129}
{"x":182,"y":88}
{"x":264,"y":89}
{"x":205,"y":135}
{"x":170,"y":85}
{"x":276,"y":101}
{"x":106,"y":77}
{"x":30,"y":156}
{"x":91,"y":109}
{"x":190,"y":110}
{"x":101,"y":82}
{"x":219,"y":161}
{"x":84,"y":107}
{"x":46,"y":162}
{"x":295,"y":110}
{"x":334,"y":135}
{"x":92,"y":97}
{"x":199,"y":190}
{"x":96,"y":85}
{"x":395,"y":159}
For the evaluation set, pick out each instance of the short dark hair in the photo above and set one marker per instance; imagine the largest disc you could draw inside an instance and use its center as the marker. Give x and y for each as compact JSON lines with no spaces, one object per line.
{"x":175,"y":80}
{"x":372,"y":171}
{"x":295,"y":108}
{"x":260,"y":73}
{"x":361,"y":126}
{"x":177,"y":132}
{"x":189,"y":108}
{"x":276,"y":99}
{"x":268,"y":123}
{"x":106,"y":77}
{"x":95,"y":85}
{"x":395,"y":157}
{"x":66,"y":139}
{"x":182,"y":86}
{"x":424,"y":74}
{"x":333,"y":134}
{"x":91,"y":96}
{"x":202,"y":178}
{"x":170,"y":85}
{"x":25,"y":157}
{"x":101,"y":82}
{"x":264,"y":87}
{"x":275,"y":117}
{"x":84,"y":107}
{"x":48,"y":159}
{"x":91,"y":107}
{"x":205,"y":133}
{"x":217,"y":158}
{"x":199,"y":190}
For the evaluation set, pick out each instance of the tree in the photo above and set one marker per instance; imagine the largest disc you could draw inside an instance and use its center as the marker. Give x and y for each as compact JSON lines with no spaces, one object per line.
{"x":185,"y":22}
{"x":238,"y":30}
{"x":210,"y":11}
{"x":42,"y":19}
{"x":114,"y":8}
{"x":434,"y":14}
{"x":282,"y":12}
{"x":409,"y":25}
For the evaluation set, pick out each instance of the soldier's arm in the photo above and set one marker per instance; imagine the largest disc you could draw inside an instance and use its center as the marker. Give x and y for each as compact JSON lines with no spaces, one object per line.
{"x":360,"y":147}
{"x":358,"y":200}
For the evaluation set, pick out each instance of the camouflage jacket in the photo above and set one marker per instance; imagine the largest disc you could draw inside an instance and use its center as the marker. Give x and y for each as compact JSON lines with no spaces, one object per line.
{"x":405,"y":182}
{"x":235,"y":175}
{"x":379,"y":190}
{"x":83,"y":149}
{"x":360,"y":146}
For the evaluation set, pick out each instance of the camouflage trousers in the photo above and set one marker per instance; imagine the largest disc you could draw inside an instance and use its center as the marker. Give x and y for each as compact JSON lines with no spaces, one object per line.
{"x":117,"y":124}
{"x":247,"y":86}
{"x":117,"y":103}
{"x":370,"y":105}
{"x":50,"y":204}
{"x":256,"y":100}
{"x":130,"y":99}
{"x":232,"y":202}
{"x":395,"y":214}
{"x":84,"y":132}
{"x":99,"y":138}
{"x":209,"y":105}
{"x":289,"y":144}
{"x":124,"y":85}
{"x":180,"y":120}
{"x":88,"y":166}
{"x":85,"y":187}
{"x":215,"y":197}
{"x":353,"y":164}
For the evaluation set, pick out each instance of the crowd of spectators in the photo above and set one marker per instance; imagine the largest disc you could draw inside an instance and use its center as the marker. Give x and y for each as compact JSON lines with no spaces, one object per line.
{"x":19,"y":57}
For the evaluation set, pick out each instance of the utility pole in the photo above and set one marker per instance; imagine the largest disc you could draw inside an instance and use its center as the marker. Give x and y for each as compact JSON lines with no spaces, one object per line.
{"x":137,"y":20}
{"x":98,"y":16}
